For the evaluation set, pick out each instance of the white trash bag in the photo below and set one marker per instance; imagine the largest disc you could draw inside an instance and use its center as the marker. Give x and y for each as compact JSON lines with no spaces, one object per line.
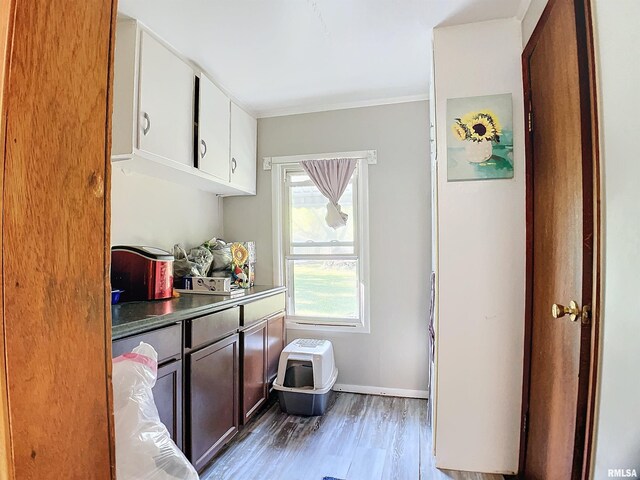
{"x":144,"y":449}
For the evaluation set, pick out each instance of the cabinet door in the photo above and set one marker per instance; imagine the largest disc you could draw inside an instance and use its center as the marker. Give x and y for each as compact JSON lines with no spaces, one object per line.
{"x":253,"y":343}
{"x":213,"y":130}
{"x":167,"y":393}
{"x":275,"y":345}
{"x":212,"y":399}
{"x":165,"y":123}
{"x":244,"y":134}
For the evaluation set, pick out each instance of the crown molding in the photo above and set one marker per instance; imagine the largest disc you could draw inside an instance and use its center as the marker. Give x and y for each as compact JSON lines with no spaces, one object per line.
{"x":302,"y":109}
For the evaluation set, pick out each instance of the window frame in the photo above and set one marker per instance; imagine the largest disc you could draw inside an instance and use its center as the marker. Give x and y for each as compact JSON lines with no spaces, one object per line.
{"x":280,"y":199}
{"x":289,"y":256}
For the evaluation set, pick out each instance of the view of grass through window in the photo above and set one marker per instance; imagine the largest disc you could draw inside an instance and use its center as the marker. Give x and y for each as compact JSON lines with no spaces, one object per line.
{"x":326,"y":289}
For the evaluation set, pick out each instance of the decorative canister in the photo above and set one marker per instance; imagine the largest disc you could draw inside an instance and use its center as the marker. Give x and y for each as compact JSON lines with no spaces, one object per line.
{"x":243,"y":258}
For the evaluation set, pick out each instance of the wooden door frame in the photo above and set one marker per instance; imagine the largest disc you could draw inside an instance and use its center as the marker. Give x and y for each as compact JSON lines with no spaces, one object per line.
{"x":590,"y":145}
{"x":8,"y":9}
{"x":7,"y":13}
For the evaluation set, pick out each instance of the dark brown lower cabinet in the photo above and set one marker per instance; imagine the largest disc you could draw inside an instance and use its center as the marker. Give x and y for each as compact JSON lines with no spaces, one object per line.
{"x":212,"y":399}
{"x":227,"y":375}
{"x":275,"y":345}
{"x":167,"y":393}
{"x":253,"y":348}
{"x":260,"y":348}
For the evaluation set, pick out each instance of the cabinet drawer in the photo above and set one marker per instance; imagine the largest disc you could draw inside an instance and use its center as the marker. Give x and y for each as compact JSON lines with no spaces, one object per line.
{"x":259,"y":309}
{"x":207,"y":329}
{"x":167,"y":341}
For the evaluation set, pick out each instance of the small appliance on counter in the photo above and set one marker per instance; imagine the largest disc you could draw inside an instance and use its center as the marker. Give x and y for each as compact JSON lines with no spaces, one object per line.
{"x":143,"y":273}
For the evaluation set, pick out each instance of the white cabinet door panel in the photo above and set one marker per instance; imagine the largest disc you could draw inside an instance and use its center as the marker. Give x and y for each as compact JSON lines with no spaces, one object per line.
{"x":213,"y":129}
{"x":165,"y":124}
{"x":244,"y":132}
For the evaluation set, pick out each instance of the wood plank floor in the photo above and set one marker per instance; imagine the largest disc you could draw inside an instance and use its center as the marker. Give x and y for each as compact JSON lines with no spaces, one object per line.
{"x":361,"y":437}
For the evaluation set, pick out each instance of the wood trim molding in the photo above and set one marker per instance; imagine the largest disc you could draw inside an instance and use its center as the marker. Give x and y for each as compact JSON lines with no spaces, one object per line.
{"x":7,"y":14}
{"x":107,"y":228}
{"x":585,"y":28}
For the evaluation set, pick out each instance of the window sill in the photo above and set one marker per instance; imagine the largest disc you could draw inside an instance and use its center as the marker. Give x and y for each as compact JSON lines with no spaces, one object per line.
{"x":292,"y":324}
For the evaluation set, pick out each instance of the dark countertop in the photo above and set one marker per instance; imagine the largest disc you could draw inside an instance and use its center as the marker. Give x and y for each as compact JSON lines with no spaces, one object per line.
{"x":132,"y":318}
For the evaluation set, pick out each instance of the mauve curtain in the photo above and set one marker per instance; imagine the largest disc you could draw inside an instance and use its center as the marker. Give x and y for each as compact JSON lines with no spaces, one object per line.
{"x":332,"y":178}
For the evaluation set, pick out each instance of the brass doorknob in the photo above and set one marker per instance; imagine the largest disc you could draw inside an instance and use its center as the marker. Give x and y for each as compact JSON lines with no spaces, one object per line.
{"x":573,"y":310}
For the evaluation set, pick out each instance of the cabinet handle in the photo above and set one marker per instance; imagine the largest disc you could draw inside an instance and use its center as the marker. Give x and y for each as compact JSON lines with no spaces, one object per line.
{"x":203,"y":150}
{"x":147,"y":124}
{"x":234,"y":165}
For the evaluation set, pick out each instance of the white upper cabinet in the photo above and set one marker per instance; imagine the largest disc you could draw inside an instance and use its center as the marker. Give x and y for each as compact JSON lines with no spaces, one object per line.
{"x":124,"y":124}
{"x":244,"y":133}
{"x":156,"y":129}
{"x":213,"y":130}
{"x":165,"y":123}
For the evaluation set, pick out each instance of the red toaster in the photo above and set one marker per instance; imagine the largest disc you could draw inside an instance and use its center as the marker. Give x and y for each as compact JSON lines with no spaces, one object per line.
{"x":144,"y":273}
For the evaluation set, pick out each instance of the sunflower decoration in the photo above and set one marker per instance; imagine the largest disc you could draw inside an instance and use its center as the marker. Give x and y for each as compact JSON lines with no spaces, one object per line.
{"x":239,"y":254}
{"x":478,"y":127}
{"x":459,"y":131}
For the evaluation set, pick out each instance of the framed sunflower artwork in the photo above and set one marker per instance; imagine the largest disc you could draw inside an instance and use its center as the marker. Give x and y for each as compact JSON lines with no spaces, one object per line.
{"x":480,"y":138}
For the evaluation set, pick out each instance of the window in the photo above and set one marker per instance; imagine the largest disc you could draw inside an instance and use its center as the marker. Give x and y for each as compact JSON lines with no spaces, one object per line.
{"x":324,"y":269}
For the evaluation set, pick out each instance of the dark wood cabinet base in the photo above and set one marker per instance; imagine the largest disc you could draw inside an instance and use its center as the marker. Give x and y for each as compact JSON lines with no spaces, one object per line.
{"x":214,"y":373}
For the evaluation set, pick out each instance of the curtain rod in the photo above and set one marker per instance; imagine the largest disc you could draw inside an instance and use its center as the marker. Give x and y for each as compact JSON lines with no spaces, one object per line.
{"x":371,"y":156}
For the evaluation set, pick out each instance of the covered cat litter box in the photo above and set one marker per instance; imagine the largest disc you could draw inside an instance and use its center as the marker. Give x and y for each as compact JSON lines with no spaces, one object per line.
{"x":306,"y":374}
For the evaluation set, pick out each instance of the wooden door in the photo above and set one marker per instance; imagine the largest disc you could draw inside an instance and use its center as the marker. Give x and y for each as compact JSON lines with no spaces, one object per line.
{"x":244,"y":131}
{"x":253,"y":345}
{"x":165,"y":123}
{"x":212,"y":399}
{"x":55,"y":238}
{"x":213,"y":130}
{"x":167,"y":394}
{"x":561,"y":254}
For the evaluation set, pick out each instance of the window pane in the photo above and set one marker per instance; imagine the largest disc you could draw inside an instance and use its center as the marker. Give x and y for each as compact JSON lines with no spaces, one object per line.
{"x":313,"y":248}
{"x":308,"y":225}
{"x":325,"y":288}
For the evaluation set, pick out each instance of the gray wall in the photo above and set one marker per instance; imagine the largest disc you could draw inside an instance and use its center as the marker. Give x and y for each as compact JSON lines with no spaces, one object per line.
{"x":394,"y":354}
{"x":530,"y":20}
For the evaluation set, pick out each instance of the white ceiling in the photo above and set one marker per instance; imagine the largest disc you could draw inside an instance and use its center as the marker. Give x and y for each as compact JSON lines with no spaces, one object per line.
{"x":284,"y":56}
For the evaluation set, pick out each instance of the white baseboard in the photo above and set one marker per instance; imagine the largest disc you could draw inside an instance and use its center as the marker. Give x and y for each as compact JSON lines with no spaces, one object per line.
{"x":386,"y":392}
